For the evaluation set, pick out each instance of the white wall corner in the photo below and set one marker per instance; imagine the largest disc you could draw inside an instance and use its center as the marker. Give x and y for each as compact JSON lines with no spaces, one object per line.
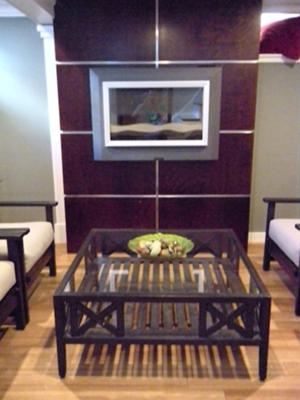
{"x":60,"y":232}
{"x":256,"y":237}
{"x":46,"y":32}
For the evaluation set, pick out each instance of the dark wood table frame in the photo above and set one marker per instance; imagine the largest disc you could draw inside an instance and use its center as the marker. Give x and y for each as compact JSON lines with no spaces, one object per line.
{"x":160,"y":301}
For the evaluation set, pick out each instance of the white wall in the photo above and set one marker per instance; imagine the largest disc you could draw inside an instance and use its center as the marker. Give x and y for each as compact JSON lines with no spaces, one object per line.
{"x":25,"y":155}
{"x":276,"y":161}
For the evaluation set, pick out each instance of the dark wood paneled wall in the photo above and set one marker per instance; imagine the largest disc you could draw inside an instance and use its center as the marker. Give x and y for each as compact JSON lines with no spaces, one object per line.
{"x":208,"y":31}
{"x":104,"y":30}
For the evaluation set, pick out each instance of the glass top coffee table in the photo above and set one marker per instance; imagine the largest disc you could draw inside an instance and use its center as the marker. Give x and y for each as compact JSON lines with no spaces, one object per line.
{"x":212,"y":296}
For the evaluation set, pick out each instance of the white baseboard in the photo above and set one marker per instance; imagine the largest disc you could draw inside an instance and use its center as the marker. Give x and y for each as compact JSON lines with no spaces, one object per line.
{"x":60,"y":232}
{"x":256,"y":237}
{"x":61,"y":236}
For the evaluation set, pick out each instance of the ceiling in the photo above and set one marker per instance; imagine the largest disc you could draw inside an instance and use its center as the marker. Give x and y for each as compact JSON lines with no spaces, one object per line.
{"x":7,"y":10}
{"x":288,"y":6}
{"x":41,"y":11}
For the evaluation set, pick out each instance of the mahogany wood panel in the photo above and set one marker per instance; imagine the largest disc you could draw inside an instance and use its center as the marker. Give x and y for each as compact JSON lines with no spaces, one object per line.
{"x":238,"y":96}
{"x":231,"y":173}
{"x":74,"y":98}
{"x":83,"y":214}
{"x":83,"y":175}
{"x":104,"y":30}
{"x":206,"y":213}
{"x":209,"y":29}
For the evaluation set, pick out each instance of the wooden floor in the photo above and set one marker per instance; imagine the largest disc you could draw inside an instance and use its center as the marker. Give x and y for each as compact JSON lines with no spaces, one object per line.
{"x":28,"y":358}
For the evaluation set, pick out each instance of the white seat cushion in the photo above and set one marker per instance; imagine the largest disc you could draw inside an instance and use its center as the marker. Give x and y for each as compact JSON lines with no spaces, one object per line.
{"x":7,"y":277}
{"x":287,"y":237}
{"x":36,"y":241}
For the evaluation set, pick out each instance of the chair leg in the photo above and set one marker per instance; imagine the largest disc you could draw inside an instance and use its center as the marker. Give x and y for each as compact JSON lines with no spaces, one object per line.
{"x":267,"y":257}
{"x":20,"y":317}
{"x":270,"y":216}
{"x":52,"y":262}
{"x":297,"y":302}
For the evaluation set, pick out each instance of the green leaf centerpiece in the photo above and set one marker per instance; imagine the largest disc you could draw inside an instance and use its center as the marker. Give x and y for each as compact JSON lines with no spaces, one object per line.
{"x":161,"y":245}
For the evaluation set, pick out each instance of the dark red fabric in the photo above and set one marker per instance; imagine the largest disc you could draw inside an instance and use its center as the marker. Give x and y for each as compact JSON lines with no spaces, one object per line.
{"x":282,"y":37}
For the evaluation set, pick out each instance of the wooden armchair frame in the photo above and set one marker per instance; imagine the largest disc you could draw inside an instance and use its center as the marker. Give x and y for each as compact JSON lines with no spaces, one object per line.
{"x":46,"y":259}
{"x":15,"y":301}
{"x":273,"y":252}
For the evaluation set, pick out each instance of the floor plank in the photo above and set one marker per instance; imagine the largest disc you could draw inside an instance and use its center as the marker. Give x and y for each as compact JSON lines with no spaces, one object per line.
{"x":28,"y":367}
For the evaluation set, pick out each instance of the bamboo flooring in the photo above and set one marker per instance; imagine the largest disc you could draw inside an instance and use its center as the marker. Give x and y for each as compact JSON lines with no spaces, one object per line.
{"x":28,"y":368}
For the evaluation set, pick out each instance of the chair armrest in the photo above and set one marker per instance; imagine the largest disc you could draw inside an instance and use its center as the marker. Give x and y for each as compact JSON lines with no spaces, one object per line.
{"x":14,"y":238}
{"x":21,"y":203}
{"x":13,"y":234}
{"x":281,"y":199}
{"x":48,"y":205}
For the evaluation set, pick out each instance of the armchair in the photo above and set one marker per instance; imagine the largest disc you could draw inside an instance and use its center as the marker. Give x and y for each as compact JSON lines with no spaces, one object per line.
{"x":13,"y":298}
{"x":283,"y":243}
{"x":39,"y":247}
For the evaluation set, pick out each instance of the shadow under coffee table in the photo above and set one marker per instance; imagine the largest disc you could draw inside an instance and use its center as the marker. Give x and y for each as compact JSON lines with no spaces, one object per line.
{"x":212,"y":297}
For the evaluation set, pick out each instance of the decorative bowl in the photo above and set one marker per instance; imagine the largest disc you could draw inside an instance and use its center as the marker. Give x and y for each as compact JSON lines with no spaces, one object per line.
{"x":161,"y":245}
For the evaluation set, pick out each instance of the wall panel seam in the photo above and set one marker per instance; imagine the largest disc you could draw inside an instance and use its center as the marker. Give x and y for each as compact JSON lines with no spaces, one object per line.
{"x":222,"y":132}
{"x":156,"y":33}
{"x":74,"y":132}
{"x":154,"y":196}
{"x":236,"y":132}
{"x":154,"y":63}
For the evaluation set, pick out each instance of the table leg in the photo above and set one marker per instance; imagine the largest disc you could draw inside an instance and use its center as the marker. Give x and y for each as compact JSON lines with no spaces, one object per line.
{"x":264,"y":332}
{"x":60,"y":320}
